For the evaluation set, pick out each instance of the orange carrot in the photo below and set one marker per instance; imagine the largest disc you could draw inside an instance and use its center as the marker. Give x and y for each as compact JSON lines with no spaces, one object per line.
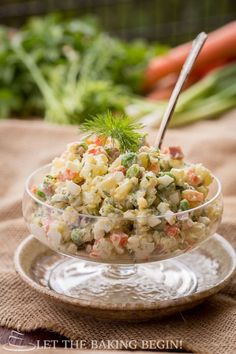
{"x":165,"y":86}
{"x":221,"y":44}
{"x":160,"y":94}
{"x":200,"y":72}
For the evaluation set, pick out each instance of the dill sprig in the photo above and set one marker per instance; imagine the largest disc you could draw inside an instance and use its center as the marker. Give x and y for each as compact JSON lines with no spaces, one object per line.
{"x":120,"y":128}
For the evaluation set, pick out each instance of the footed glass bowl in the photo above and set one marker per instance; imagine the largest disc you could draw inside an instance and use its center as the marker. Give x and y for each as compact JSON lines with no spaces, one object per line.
{"x":120,"y":259}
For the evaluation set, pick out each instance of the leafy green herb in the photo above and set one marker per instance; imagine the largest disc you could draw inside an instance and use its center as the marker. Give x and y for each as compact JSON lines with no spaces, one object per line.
{"x":120,"y":128}
{"x":59,"y":69}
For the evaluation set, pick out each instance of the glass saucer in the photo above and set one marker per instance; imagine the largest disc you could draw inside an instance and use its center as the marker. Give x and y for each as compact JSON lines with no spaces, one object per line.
{"x":118,"y":284}
{"x":130,"y":293}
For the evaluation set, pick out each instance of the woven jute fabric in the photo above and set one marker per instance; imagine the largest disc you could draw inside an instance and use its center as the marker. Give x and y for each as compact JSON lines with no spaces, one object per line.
{"x":25,"y":146}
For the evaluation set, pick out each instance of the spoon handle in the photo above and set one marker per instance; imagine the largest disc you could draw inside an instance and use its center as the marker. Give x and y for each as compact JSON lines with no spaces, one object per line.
{"x":187,"y":67}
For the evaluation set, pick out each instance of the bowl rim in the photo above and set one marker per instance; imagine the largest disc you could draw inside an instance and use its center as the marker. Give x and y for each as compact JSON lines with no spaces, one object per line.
{"x":179,"y":213}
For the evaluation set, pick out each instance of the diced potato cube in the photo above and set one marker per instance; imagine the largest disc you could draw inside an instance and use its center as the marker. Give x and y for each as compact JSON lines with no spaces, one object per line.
{"x":142,"y":203}
{"x":163,"y":207}
{"x":154,"y":221}
{"x":74,"y":167}
{"x":165,"y":180}
{"x":143,"y":159}
{"x":73,"y":188}
{"x":176,"y":163}
{"x":179,"y":176}
{"x":123,"y":190}
{"x":204,"y":173}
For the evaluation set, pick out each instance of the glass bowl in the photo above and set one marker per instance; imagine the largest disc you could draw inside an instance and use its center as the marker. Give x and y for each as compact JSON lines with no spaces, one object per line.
{"x":121,"y":256}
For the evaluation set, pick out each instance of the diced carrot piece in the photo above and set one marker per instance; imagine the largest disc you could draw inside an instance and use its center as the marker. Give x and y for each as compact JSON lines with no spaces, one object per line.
{"x":193,"y":196}
{"x":154,"y":167}
{"x":172,"y":230}
{"x":69,"y":174}
{"x":120,"y":238}
{"x":99,"y":140}
{"x":193,"y":178}
{"x":34,"y":189}
{"x":123,"y":241}
{"x":95,"y":151}
{"x":88,"y":141}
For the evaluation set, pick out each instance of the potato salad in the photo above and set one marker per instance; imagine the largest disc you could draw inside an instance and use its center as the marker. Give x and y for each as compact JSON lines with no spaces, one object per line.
{"x":113,"y":205}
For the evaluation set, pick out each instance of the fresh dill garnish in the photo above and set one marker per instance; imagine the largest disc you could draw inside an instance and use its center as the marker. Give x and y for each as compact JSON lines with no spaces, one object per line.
{"x":121,"y":129}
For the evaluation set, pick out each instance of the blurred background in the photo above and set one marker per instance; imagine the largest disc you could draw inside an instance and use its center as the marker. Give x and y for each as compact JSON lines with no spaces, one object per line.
{"x":171,"y":21}
{"x":68,"y":60}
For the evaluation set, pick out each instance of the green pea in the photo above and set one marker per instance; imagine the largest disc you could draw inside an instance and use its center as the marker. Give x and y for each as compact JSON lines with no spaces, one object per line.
{"x":41,"y":194}
{"x":184,"y":205}
{"x":77,"y":236}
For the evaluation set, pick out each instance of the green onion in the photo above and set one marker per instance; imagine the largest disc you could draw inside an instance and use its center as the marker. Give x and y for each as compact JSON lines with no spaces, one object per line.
{"x":208,"y":98}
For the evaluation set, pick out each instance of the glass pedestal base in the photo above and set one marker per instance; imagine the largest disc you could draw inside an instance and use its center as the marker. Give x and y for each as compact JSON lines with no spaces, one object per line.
{"x":122,"y":284}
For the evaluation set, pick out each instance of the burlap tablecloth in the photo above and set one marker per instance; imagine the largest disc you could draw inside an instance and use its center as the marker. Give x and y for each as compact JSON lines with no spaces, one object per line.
{"x":24,"y":146}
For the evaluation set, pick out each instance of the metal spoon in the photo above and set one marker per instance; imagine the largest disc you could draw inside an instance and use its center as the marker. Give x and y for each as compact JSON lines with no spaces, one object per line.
{"x":187,"y":67}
